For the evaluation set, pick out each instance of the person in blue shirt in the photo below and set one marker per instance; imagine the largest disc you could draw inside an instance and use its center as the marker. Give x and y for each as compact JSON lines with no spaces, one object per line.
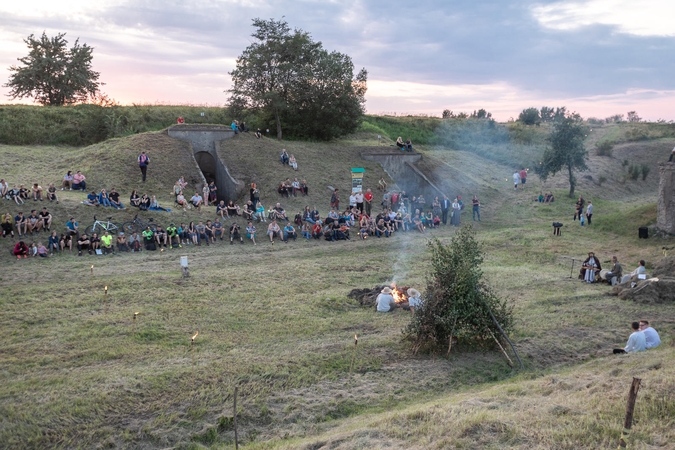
{"x":289,"y":232}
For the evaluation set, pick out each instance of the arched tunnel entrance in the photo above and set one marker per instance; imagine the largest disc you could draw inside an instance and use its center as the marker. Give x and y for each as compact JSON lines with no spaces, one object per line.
{"x":207,"y":164}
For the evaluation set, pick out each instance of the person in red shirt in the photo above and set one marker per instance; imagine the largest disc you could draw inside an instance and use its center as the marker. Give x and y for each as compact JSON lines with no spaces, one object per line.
{"x":20,"y":249}
{"x":523,"y":177}
{"x":368,"y":198}
{"x":180,"y":120}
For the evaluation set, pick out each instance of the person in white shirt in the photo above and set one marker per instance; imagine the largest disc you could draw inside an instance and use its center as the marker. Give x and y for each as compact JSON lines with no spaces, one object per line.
{"x":385,"y":301}
{"x":589,"y":212}
{"x":636,"y":342}
{"x":352,"y":201}
{"x":651,"y":336}
{"x":640,"y":270}
{"x":516,"y":180}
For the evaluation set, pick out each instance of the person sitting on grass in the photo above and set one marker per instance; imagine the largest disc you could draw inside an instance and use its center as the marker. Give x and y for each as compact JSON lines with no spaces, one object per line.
{"x":36,"y":192}
{"x":279,"y":213}
{"x":260,"y":212}
{"x":103,"y":198}
{"x":122,"y":245}
{"x":34,"y":222}
{"x":408,"y":145}
{"x":589,"y":268}
{"x":235,"y":233}
{"x":232,"y":209}
{"x":295,"y":187}
{"x":148,"y":238}
{"x":614,"y":276}
{"x":258,"y":133}
{"x":197,"y":201}
{"x":181,"y":181}
{"x":177,"y":189}
{"x":317,"y":231}
{"x":636,"y":342}
{"x":7,"y":228}
{"x":21,"y":224}
{"x":221,"y":209}
{"x":289,"y":232}
{"x":274,"y":230}
{"x":91,"y":200}
{"x":304,"y":188}
{"x":51,"y":193}
{"x":134,"y":199}
{"x":135,"y":242}
{"x":193,"y":236}
{"x":79,"y":182}
{"x":73,"y":227}
{"x":14,"y":195}
{"x":144,"y":203}
{"x":250,"y":232}
{"x":652,"y":338}
{"x":66,"y":241}
{"x":107,"y":243}
{"x":414,"y":299}
{"x":114,"y":197}
{"x":46,"y":219}
{"x":210,"y":236}
{"x":385,"y":301}
{"x":23,"y":192}
{"x":399,"y":143}
{"x":160,"y":236}
{"x":292,"y":162}
{"x":173,"y":236}
{"x":95,"y":242}
{"x":67,"y":181}
{"x":201,"y":234}
{"x":417,"y":222}
{"x":181,"y":202}
{"x":217,"y":228}
{"x":283,"y":157}
{"x":154,"y":205}
{"x":42,"y":250}
{"x":83,"y":243}
{"x":641,"y":270}
{"x":282,"y":190}
{"x":249,"y":210}
{"x":20,"y":249}
{"x":306,"y":230}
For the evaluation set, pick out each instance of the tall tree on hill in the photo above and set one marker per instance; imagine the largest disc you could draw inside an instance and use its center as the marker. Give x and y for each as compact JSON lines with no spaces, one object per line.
{"x":54,"y":74}
{"x":286,"y":75}
{"x":567,"y":150}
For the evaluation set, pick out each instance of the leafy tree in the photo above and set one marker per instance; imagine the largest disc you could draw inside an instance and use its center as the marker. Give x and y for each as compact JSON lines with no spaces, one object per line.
{"x":566,"y":150}
{"x":53,"y":74}
{"x":546,"y":114}
{"x":448,"y":114}
{"x":457,"y":302}
{"x":530,"y":116}
{"x":481,"y":114}
{"x":291,"y":79}
{"x":633,"y":116}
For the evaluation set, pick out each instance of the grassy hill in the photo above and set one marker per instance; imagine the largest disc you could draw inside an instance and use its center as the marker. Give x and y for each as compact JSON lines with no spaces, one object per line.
{"x":276,"y":321}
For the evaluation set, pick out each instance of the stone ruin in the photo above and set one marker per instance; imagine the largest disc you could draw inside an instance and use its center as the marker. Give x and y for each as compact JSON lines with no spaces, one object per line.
{"x":665,"y":216}
{"x":659,"y":288}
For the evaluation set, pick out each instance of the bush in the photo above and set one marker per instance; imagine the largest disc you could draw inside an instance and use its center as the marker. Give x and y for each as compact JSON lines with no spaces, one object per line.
{"x":634,"y":171}
{"x":457,"y":302}
{"x":530,"y":116}
{"x":645,"y":171}
{"x":637,"y":134}
{"x":601,"y":179}
{"x":624,"y":163}
{"x":604,"y":148}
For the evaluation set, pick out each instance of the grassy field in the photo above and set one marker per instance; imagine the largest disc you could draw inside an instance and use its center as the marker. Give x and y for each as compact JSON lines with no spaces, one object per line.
{"x":79,"y":372}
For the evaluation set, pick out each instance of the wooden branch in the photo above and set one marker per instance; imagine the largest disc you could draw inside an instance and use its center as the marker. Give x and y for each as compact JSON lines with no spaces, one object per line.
{"x":502,"y":348}
{"x":630,"y":406}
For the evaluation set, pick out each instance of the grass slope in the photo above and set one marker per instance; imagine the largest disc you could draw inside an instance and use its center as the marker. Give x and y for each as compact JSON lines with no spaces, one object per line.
{"x":275,"y":321}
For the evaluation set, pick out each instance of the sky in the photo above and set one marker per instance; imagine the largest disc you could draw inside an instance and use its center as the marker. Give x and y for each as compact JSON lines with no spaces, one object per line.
{"x":596,"y":57}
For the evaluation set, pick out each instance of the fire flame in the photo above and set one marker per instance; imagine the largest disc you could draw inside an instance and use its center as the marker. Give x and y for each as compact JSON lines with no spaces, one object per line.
{"x":398,"y":294}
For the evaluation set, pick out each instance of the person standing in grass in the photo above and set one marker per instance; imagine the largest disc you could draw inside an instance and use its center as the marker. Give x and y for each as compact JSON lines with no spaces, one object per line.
{"x":143,"y":161}
{"x":523,"y":177}
{"x":476,"y":207}
{"x":636,"y":342}
{"x":368,"y":198}
{"x":516,"y":180}
{"x":589,"y":212}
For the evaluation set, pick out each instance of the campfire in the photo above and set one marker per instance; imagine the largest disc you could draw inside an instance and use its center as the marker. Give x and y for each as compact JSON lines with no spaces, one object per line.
{"x":368,"y":296}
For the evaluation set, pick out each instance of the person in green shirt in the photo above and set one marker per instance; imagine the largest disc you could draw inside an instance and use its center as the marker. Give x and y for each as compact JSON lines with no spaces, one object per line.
{"x":106,"y":243}
{"x":172,"y":233}
{"x":148,"y":237}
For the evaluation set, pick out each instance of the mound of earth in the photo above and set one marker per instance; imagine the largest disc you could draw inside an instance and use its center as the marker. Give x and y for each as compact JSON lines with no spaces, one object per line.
{"x":658,"y":289}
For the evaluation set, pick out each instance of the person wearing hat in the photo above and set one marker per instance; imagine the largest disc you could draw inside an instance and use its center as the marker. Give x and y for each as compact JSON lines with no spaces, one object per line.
{"x":385,"y":301}
{"x":414,"y":299}
{"x":589,"y":268}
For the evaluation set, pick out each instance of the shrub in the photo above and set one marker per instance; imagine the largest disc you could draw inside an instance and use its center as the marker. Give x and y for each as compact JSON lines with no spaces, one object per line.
{"x":604,"y":148}
{"x":530,"y":116}
{"x":645,"y":171}
{"x":634,"y":171}
{"x":624,"y":163}
{"x":637,"y":134}
{"x":601,"y":179}
{"x":457,"y":302}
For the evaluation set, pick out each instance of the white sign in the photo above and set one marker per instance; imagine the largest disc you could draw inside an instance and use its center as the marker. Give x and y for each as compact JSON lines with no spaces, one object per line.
{"x":183,"y":261}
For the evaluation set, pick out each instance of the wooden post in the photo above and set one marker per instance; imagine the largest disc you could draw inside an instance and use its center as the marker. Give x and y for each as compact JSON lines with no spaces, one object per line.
{"x":630,"y":406}
{"x":234,"y":419}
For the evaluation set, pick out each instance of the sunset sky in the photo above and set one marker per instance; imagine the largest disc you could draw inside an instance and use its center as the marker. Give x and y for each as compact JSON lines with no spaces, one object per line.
{"x":597,"y":57}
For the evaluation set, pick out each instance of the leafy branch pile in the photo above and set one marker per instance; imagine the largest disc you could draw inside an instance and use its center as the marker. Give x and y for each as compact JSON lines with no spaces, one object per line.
{"x":457,"y":303}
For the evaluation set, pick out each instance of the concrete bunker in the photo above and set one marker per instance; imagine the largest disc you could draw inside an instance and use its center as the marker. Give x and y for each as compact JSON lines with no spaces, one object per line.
{"x":401,"y":168}
{"x":203,"y":140}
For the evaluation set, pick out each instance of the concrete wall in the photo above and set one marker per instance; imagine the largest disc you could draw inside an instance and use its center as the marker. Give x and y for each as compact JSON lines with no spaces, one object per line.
{"x":401,"y":168}
{"x":665,"y":215}
{"x":204,"y":139}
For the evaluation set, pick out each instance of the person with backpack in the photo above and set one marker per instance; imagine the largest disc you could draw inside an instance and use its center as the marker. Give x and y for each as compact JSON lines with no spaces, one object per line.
{"x":143,"y":161}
